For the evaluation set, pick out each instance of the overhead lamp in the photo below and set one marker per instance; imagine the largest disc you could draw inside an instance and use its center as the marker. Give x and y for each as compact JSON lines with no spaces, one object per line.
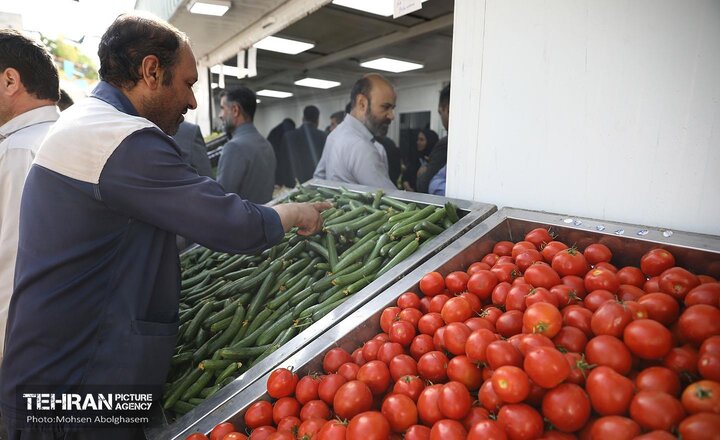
{"x":284,"y":45}
{"x":225,"y":69}
{"x":274,"y":93}
{"x":316,"y":83}
{"x":209,"y":7}
{"x":377,"y":7}
{"x":391,"y":65}
{"x":257,"y":101}
{"x":214,"y":85}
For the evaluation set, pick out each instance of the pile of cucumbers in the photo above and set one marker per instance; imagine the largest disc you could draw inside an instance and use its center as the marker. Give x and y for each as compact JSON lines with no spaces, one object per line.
{"x":235,"y":310}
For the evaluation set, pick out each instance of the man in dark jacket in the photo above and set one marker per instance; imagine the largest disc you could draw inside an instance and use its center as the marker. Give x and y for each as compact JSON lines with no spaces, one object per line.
{"x":438,"y":157}
{"x":303,"y":147}
{"x":192,"y":146}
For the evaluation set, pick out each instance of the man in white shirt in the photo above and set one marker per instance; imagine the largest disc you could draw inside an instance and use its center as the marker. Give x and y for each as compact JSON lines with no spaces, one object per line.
{"x":351,"y":154}
{"x":29,"y":89}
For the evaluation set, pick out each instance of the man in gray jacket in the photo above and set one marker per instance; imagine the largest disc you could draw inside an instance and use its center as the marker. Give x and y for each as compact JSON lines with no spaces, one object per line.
{"x":247,"y":163}
{"x":192,"y":145}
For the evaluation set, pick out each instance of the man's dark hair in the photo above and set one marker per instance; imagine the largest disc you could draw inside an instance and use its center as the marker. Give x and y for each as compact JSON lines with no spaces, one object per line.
{"x":363,"y":86}
{"x":338,"y":116}
{"x":311,"y":114}
{"x":445,"y":96}
{"x":65,"y":100}
{"x":32,"y":61}
{"x":348,"y":107}
{"x":244,"y":98}
{"x":130,"y":39}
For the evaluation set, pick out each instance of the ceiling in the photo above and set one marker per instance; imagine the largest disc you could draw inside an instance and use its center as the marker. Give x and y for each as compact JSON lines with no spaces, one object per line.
{"x":343,"y":37}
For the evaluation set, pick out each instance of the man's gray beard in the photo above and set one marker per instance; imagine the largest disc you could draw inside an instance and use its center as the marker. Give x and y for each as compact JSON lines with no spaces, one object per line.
{"x":228,"y":129}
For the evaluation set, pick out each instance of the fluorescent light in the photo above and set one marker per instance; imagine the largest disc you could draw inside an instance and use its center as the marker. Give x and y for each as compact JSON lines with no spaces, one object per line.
{"x":378,"y":7}
{"x":226,"y":70}
{"x":317,"y":83}
{"x":283,"y":45}
{"x":214,"y":85}
{"x":209,"y":7}
{"x":257,"y":101}
{"x":274,"y":93}
{"x":391,"y":65}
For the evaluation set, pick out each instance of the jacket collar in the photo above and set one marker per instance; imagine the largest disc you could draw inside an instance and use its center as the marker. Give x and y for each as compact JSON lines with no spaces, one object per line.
{"x":46,"y":113}
{"x":115,"y":97}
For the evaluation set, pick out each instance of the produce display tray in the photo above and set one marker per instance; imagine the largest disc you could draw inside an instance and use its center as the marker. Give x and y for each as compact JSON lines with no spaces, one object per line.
{"x":213,"y":410}
{"x":696,"y":252}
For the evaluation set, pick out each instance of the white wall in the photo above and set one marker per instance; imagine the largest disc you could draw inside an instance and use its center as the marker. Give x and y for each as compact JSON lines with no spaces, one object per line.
{"x":598,"y":108}
{"x":415,"y":93}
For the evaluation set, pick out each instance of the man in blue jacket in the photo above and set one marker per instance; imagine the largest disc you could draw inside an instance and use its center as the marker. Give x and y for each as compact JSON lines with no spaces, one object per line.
{"x":95,"y":304}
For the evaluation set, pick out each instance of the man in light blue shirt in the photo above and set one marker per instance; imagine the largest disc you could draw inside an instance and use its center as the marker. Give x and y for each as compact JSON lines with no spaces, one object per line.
{"x":437,"y":183}
{"x":351,"y":155}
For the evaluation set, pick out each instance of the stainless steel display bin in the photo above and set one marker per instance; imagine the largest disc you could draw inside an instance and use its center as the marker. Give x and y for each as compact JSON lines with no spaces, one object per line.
{"x":699,"y":253}
{"x":211,"y":412}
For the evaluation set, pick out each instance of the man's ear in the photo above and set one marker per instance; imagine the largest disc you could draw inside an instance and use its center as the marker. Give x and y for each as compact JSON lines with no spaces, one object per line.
{"x":10,"y":79}
{"x":150,"y":71}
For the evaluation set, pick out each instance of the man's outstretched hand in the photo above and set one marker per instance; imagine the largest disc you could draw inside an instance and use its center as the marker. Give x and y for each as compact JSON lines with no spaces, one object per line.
{"x":305,"y":216}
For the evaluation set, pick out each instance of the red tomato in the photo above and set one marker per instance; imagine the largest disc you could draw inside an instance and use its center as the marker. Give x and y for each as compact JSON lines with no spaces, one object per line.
{"x":482,"y":283}
{"x":309,"y":428}
{"x":388,"y":316}
{"x":432,"y":283}
{"x":315,"y":409}
{"x":429,"y":323}
{"x":476,"y":344}
{"x":677,"y":282}
{"x":658,"y":379}
{"x":357,"y":356}
{"x":702,"y":396}
{"x":682,"y":360}
{"x":628,"y":292}
{"x":437,"y":302}
{"x":456,"y":282}
{"x":408,"y":300}
{"x":424,"y":304}
{"x":615,"y":427}
{"x":601,"y":279}
{"x":197,"y":436}
{"x":370,"y":349}
{"x":427,"y":405}
{"x":652,"y":285}
{"x":334,"y":358}
{"x":631,"y":275}
{"x":549,"y":250}
{"x":699,"y":322}
{"x":541,"y":275}
{"x":420,"y":345}
{"x":473,"y":300}
{"x":610,"y":393}
{"x":527,"y":258}
{"x":333,"y":430}
{"x":477,"y":266}
{"x":656,"y":410}
{"x":520,"y":421}
{"x":703,"y":426}
{"x":289,"y":424}
{"x":520,"y":247}
{"x":259,"y":414}
{"x":454,"y":400}
{"x":637,"y":310}
{"x":219,"y":431}
{"x":546,"y":366}
{"x":376,"y":375}
{"x":596,"y":253}
{"x":476,"y":323}
{"x":515,"y":299}
{"x":477,"y":414}
{"x":328,"y":387}
{"x":655,"y":261}
{"x":503,"y":248}
{"x":228,"y":436}
{"x":281,"y":383}
{"x":597,"y":298}
{"x":432,"y":366}
{"x":400,"y":411}
{"x":711,"y":345}
{"x":605,"y":265}
{"x":505,"y":272}
{"x":567,"y":407}
{"x":610,"y":319}
{"x":285,"y":407}
{"x":542,"y":318}
{"x":570,"y":262}
{"x":410,"y":386}
{"x":280,"y":436}
{"x":647,"y":339}
{"x":491,"y":313}
{"x":661,"y":307}
{"x":541,"y":294}
{"x":307,"y":389}
{"x":486,"y":430}
{"x":488,"y":397}
{"x":352,"y":398}
{"x":511,"y":384}
{"x":578,"y":317}
{"x":531,"y":341}
{"x":455,"y":337}
{"x":708,"y":293}
{"x":456,"y":309}
{"x":448,"y":430}
{"x":609,"y":351}
{"x":402,"y":365}
{"x":460,"y":369}
{"x":417,"y":432}
{"x":411,"y":315}
{"x":348,"y":370}
{"x":539,"y":237}
{"x":709,"y":366}
{"x":261,"y":433}
{"x":403,"y":332}
{"x":578,"y":368}
{"x":570,"y":339}
{"x":499,"y":353}
{"x":510,"y":323}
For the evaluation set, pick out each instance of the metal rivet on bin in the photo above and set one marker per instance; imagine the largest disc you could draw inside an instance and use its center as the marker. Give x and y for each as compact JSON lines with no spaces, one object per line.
{"x":600,"y":227}
{"x":667,"y":233}
{"x":568,"y":220}
{"x":643,"y":232}
{"x":577,"y":223}
{"x":620,"y":232}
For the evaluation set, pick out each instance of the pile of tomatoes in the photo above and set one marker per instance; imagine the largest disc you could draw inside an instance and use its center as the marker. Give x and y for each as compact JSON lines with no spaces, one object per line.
{"x":536,"y":340}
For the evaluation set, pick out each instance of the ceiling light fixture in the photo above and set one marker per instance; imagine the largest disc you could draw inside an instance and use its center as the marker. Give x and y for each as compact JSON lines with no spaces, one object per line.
{"x":377,"y":7}
{"x":274,"y":93}
{"x":209,"y":7}
{"x":284,"y":45}
{"x":316,"y":83}
{"x":391,"y":65}
{"x":226,"y":70}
